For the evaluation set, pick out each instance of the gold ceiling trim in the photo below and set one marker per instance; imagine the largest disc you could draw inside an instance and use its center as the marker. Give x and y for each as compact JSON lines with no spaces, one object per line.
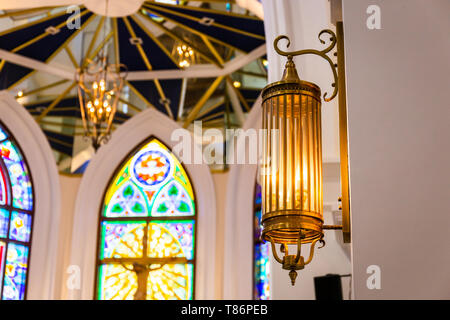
{"x":214,"y":24}
{"x":213,"y":50}
{"x":155,"y":40}
{"x":214,"y":11}
{"x":149,"y":67}
{"x":58,"y":50}
{"x":195,"y":31}
{"x":51,"y":85}
{"x":32,"y":23}
{"x":45,"y":34}
{"x":186,"y":42}
{"x":198,"y":106}
{"x":93,"y":41}
{"x":55,"y":102}
{"x":116,"y":41}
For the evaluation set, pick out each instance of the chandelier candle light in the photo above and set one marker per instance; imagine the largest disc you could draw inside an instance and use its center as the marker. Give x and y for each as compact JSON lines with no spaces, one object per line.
{"x":185,"y":55}
{"x":291,"y":172}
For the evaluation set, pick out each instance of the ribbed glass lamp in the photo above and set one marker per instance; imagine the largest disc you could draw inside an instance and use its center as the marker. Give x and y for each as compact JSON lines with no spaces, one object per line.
{"x":292,"y":165}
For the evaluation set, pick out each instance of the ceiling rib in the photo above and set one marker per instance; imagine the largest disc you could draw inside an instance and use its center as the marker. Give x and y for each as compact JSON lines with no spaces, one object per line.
{"x":198,"y":106}
{"x":149,"y":67}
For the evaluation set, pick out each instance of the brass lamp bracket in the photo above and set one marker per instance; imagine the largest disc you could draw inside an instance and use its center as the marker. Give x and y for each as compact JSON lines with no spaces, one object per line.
{"x":321,"y":53}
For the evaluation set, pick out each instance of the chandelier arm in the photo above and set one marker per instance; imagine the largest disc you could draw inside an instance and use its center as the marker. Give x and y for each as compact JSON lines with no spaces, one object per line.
{"x":320,"y":53}
{"x":80,"y":99}
{"x":114,"y":109}
{"x":274,"y":250}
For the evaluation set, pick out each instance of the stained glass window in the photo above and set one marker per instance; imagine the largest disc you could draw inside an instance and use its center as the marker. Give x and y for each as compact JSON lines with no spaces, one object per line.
{"x":261,"y":252}
{"x":147,"y":229}
{"x":16,"y":218}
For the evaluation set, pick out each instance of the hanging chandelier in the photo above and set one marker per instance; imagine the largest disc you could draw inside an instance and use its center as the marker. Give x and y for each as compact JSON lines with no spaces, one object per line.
{"x":99,"y":88}
{"x":291,"y":174}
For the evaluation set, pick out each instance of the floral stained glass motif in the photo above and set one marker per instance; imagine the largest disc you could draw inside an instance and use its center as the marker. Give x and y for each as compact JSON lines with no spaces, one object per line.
{"x":16,"y":211}
{"x":172,"y":200}
{"x":128,"y":201}
{"x":20,"y":226}
{"x":261,"y":253}
{"x":147,"y":237}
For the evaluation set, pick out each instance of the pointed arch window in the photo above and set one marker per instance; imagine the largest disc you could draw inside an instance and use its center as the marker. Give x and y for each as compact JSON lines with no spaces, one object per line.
{"x":146,"y":246}
{"x":16,"y":218}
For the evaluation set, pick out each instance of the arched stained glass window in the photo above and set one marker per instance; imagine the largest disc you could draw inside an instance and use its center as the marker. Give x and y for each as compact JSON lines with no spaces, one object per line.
{"x":261,"y":252}
{"x":147,"y":229}
{"x":16,"y":219}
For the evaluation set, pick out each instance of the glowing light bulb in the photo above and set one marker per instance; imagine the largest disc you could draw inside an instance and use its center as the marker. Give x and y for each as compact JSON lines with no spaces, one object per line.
{"x":96,"y":102}
{"x":237,"y":84}
{"x":20,"y":93}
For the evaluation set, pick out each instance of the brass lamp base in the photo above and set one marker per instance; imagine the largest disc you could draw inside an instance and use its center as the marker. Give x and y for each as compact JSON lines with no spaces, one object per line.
{"x":294,"y":262}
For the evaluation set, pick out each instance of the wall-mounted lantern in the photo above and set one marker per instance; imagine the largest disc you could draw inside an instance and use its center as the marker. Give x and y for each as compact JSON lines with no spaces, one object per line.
{"x":291,"y":173}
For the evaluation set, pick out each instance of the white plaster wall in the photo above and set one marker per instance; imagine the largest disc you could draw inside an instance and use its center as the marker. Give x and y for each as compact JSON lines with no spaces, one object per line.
{"x":398,"y":81}
{"x":69,"y":189}
{"x":220,"y":186}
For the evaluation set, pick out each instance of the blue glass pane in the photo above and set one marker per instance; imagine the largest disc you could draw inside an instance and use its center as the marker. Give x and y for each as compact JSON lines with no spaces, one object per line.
{"x":20,"y":228}
{"x":15,"y":272}
{"x":4,"y":220}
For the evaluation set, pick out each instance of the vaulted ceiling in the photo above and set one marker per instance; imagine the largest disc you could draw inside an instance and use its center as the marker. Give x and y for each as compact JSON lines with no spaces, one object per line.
{"x":41,"y":48}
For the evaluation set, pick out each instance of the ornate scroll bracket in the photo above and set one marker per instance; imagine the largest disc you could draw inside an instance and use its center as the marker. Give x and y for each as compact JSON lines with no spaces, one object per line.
{"x":321,"y":53}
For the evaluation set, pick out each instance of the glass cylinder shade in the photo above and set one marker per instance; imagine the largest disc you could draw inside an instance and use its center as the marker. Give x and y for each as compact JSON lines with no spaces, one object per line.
{"x":291,"y":172}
